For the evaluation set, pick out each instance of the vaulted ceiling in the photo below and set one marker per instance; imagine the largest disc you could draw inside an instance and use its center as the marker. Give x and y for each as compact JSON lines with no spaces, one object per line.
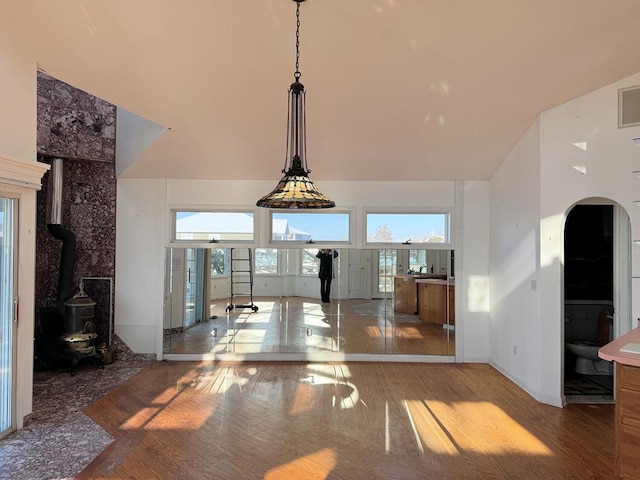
{"x":396,"y":89}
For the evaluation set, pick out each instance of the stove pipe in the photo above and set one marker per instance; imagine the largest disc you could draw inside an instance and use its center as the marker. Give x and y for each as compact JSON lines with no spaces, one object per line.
{"x":54,"y":224}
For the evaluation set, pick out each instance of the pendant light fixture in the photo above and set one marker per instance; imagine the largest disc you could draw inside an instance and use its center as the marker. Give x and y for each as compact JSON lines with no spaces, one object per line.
{"x":295,"y":189}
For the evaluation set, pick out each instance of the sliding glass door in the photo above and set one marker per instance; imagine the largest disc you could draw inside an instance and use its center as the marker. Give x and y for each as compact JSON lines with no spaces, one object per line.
{"x":387,"y":268}
{"x":7,"y":313}
{"x":194,"y":287}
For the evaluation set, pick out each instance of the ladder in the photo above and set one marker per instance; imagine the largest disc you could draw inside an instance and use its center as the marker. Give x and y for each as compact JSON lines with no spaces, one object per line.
{"x":241,"y":277}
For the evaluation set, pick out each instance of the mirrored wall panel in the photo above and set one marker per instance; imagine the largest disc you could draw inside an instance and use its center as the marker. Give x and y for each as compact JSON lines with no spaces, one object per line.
{"x":266,"y":300}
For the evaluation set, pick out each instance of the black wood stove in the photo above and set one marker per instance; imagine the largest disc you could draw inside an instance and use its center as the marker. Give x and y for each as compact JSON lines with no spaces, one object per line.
{"x":78,"y":341}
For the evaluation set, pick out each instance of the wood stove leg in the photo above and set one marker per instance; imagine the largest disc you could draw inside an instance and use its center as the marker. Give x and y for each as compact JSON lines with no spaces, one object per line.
{"x":74,"y":364}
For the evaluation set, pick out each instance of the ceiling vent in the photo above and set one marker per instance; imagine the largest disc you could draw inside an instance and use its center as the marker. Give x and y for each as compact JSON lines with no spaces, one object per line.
{"x":629,"y":106}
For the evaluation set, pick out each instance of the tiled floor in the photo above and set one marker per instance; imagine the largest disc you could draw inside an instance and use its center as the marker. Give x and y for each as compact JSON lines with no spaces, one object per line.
{"x":58,"y":439}
{"x":588,"y":389}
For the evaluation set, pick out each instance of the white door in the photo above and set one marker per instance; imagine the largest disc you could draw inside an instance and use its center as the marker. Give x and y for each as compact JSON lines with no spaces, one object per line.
{"x":356,"y":274}
{"x":387,"y":267}
{"x":8,"y":207}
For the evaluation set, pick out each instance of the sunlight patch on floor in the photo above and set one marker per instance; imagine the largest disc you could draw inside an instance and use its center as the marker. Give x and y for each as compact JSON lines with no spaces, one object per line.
{"x":140,"y":418}
{"x":345,"y":394}
{"x":314,"y":466}
{"x":373,"y":331}
{"x":214,"y":383}
{"x":474,"y":426}
{"x":430,"y":435}
{"x":410,"y":333}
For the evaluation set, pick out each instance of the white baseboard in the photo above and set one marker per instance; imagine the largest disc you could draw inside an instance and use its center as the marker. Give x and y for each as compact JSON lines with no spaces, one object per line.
{"x":542,"y":398}
{"x":306,"y":357}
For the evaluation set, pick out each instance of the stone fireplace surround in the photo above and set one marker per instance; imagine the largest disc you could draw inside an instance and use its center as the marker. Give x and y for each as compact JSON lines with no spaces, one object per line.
{"x":79,"y":128}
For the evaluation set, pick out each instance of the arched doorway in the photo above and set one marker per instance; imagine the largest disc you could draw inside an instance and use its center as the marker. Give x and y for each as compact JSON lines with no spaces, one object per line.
{"x":596,"y":291}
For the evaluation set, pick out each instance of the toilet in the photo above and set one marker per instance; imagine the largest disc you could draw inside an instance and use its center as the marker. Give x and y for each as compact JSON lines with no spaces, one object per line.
{"x":587,"y":360}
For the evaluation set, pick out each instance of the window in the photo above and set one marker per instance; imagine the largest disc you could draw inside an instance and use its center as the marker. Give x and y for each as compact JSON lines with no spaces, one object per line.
{"x":207,"y":226}
{"x":219,"y":262}
{"x":266,"y":261}
{"x":431,"y":261}
{"x":417,"y":260}
{"x":310,"y":262}
{"x":407,"y":228}
{"x":306,"y":227}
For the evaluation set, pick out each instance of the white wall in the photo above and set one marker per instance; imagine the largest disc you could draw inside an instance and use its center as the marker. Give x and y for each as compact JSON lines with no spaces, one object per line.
{"x":135,"y":134}
{"x":143,"y":232}
{"x":585,"y":133}
{"x":17,"y":96}
{"x":219,"y":288}
{"x":531,"y":193}
{"x":20,"y":176}
{"x":515,"y":299}
{"x":140,"y":260}
{"x":472,"y":274}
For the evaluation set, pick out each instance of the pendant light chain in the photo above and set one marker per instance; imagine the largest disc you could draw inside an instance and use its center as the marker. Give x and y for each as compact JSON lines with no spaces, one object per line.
{"x":295,"y":189}
{"x":297,"y":74}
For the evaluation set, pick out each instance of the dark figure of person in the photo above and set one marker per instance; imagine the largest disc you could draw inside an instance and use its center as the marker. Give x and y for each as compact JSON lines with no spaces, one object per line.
{"x":325,"y":272}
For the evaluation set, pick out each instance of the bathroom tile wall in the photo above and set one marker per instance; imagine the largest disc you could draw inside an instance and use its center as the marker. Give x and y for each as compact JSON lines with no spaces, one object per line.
{"x":581,"y":319}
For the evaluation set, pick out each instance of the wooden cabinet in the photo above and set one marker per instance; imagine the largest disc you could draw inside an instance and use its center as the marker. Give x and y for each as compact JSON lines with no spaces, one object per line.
{"x":405,"y":295}
{"x":436,"y":301}
{"x":426,"y":297}
{"x":628,"y":421}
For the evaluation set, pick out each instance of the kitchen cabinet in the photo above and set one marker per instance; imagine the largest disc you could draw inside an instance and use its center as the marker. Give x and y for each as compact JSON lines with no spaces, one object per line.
{"x":405,"y":294}
{"x":436,"y":301}
{"x":628,"y":421}
{"x":627,"y":402}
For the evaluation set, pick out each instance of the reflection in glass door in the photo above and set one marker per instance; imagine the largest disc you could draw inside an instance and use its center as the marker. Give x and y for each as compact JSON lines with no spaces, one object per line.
{"x":194,"y":286}
{"x":7,"y":310}
{"x":387,"y":267}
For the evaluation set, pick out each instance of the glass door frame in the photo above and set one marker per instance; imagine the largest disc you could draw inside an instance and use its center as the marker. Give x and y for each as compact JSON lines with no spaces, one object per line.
{"x":9,"y":286}
{"x":386,"y":270}
{"x":194,"y":285}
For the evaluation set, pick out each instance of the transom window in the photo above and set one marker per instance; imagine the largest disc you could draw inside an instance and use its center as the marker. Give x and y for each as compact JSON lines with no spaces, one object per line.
{"x":310,"y":227}
{"x":222,"y":227}
{"x":407,"y":228}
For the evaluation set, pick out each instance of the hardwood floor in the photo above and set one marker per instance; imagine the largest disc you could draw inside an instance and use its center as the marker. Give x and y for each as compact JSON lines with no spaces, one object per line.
{"x":300,"y":324}
{"x":290,"y":420}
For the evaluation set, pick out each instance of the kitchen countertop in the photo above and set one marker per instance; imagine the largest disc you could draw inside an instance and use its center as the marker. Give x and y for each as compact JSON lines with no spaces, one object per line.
{"x":611,"y":351}
{"x":422,"y":276}
{"x":434,"y":281}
